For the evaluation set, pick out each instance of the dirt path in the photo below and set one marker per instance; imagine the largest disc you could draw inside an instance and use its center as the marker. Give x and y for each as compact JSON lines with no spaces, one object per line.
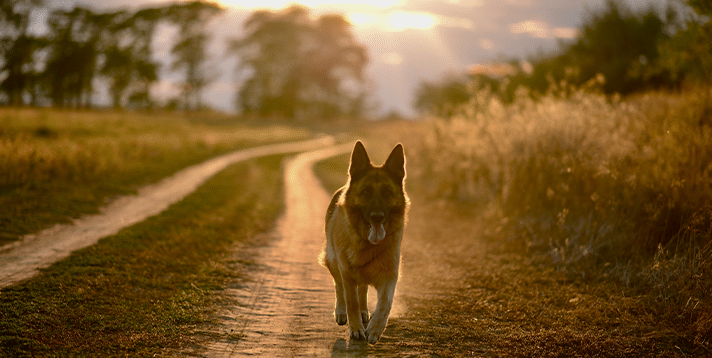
{"x":21,"y":260}
{"x":286,"y":309}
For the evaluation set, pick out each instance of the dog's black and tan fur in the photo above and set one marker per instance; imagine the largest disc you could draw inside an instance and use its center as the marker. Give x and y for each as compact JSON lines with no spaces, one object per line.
{"x":364,"y":229}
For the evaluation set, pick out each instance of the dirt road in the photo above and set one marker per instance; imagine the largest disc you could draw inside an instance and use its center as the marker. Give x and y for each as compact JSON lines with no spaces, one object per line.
{"x":21,"y":260}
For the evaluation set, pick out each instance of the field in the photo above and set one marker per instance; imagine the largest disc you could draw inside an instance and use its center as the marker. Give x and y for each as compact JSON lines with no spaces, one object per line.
{"x":56,"y":165}
{"x":599,"y":188}
{"x":572,"y":225}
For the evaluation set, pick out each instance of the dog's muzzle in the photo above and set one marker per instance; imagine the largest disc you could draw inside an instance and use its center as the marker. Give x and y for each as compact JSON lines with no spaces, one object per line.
{"x":377,"y":231}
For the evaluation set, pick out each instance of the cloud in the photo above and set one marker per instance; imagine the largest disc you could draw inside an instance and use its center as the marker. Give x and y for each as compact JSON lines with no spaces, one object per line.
{"x":542,"y":30}
{"x":486,"y":44}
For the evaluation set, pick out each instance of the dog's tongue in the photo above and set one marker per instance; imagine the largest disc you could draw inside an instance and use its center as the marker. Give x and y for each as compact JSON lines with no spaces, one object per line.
{"x":377,"y":233}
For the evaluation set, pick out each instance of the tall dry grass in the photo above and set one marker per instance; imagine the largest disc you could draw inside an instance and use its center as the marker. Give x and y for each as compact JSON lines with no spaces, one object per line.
{"x":597,"y":186}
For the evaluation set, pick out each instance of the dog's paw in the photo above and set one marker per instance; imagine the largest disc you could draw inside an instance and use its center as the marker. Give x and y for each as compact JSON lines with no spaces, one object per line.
{"x":357,"y":332}
{"x":375,"y":330}
{"x":364,"y":317}
{"x":340,"y":318}
{"x":373,"y":335}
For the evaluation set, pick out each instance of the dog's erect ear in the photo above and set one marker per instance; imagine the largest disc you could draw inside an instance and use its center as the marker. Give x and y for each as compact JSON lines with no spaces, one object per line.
{"x":395,"y":164}
{"x":360,"y":162}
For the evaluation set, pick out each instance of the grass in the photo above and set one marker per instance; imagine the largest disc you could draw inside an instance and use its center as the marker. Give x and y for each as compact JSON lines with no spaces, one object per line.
{"x":597,"y":187}
{"x":142,"y":291}
{"x":485,"y":300}
{"x":56,"y":165}
{"x":480,"y":298}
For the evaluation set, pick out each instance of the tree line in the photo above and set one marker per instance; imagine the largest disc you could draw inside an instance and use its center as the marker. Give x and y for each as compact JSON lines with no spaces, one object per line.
{"x":81,"y":45}
{"x":621,"y":50}
{"x":291,"y":65}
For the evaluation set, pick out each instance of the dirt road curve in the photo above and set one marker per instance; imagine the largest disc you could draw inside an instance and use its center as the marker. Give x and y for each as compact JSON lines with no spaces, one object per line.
{"x":21,"y":260}
{"x":286,"y":309}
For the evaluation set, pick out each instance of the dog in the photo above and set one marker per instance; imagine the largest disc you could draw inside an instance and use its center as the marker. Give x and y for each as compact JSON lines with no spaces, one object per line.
{"x":364,"y":229}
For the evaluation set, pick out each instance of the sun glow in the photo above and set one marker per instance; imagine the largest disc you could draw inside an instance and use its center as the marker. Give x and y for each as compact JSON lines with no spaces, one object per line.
{"x":396,"y":21}
{"x":283,"y":4}
{"x":412,"y":20}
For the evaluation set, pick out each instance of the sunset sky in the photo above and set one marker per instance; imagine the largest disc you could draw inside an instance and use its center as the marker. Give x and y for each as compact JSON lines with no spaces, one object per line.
{"x":408,"y":41}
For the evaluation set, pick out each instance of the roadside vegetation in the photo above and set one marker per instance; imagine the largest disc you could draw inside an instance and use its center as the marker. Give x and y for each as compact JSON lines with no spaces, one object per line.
{"x":56,"y":165}
{"x":144,"y":290}
{"x":600,"y":188}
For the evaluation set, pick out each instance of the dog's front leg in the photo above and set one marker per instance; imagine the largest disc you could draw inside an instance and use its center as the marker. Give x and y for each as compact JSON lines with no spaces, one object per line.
{"x":356,"y":329}
{"x":363,"y":303}
{"x":379,"y":319}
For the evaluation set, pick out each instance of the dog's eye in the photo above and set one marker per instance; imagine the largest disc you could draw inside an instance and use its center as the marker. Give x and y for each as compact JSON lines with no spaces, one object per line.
{"x":367,"y":191}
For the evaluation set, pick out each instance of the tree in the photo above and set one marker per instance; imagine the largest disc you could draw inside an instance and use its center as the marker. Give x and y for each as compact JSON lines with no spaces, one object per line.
{"x":72,"y":64}
{"x":18,"y":74}
{"x":687,"y":54}
{"x":145,"y":71}
{"x":190,"y":49}
{"x":443,"y":98}
{"x":622,"y":46}
{"x":297,"y":67}
{"x":270,"y":52}
{"x":127,"y":56}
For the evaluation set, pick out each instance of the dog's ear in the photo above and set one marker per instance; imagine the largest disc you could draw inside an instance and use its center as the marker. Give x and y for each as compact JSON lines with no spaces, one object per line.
{"x":360,"y":162}
{"x":395,"y":164}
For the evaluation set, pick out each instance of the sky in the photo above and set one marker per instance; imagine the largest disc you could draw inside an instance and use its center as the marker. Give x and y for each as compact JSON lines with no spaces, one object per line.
{"x":409,"y":41}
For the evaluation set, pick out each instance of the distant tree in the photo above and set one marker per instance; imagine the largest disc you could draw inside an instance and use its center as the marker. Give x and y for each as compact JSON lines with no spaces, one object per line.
{"x":621,"y":45}
{"x":192,"y":19}
{"x":443,"y":98}
{"x":72,"y":63}
{"x":15,"y":16}
{"x":297,"y":67}
{"x":18,"y":74}
{"x":145,"y":70}
{"x":127,"y":64}
{"x":687,"y":55}
{"x":332,"y":60}
{"x":270,"y":52}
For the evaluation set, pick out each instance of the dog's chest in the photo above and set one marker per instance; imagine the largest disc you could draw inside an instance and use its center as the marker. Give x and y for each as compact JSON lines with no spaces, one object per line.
{"x":372,"y":263}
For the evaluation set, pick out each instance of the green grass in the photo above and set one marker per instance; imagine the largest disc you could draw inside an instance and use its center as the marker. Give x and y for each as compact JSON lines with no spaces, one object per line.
{"x":142,"y":291}
{"x":56,"y":165}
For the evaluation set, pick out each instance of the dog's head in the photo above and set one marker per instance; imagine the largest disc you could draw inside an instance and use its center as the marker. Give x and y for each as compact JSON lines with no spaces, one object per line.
{"x":376,"y":196}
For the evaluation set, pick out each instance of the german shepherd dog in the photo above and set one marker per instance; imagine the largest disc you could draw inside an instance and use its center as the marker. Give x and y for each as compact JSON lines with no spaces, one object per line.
{"x":364,"y":228}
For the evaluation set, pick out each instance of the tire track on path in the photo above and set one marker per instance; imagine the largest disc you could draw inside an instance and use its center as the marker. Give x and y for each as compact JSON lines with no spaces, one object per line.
{"x":286,"y":308}
{"x":23,"y":259}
